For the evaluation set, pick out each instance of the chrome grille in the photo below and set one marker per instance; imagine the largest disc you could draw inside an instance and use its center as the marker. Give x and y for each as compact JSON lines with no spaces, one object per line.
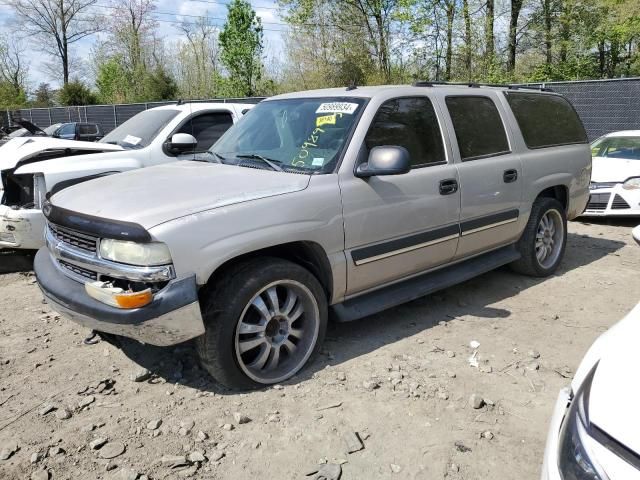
{"x":598,"y":201}
{"x":75,"y":239}
{"x":83,"y":272}
{"x":619,"y":203}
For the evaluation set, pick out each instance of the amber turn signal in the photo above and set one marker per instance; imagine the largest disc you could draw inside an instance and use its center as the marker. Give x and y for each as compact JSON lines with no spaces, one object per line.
{"x":116,"y":297}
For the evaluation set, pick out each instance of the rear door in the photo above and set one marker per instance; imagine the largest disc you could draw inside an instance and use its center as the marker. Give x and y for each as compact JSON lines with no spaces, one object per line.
{"x":490,"y":173}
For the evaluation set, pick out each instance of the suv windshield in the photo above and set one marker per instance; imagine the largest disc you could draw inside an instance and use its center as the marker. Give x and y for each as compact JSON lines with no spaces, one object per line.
{"x":140,"y":130}
{"x":301,"y":134}
{"x":52,"y":129}
{"x":617,"y":147}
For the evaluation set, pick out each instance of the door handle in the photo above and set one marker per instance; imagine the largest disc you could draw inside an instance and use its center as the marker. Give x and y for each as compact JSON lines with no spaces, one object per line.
{"x":510,"y":176}
{"x":448,"y":186}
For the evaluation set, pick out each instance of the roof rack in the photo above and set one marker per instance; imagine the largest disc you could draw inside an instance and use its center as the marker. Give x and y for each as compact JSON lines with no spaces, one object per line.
{"x":423,"y":83}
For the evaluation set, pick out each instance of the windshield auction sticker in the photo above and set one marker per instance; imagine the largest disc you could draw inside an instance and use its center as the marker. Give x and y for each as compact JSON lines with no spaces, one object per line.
{"x":337,"y":107}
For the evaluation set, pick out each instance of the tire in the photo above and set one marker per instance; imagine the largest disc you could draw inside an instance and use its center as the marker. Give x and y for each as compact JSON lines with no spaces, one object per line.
{"x":534,"y":262}
{"x":242,"y":333}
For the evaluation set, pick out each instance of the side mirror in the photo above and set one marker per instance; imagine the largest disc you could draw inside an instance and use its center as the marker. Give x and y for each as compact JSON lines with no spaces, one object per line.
{"x":385,"y":160}
{"x":181,"y":142}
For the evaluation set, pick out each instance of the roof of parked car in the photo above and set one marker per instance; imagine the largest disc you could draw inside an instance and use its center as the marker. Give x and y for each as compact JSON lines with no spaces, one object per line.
{"x":624,"y":133}
{"x":372,"y":91}
{"x":196,"y":106}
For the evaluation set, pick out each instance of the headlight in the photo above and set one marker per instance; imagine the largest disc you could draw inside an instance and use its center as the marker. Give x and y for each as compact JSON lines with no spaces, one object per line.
{"x":574,"y":460}
{"x":631,"y":183}
{"x":132,"y":253}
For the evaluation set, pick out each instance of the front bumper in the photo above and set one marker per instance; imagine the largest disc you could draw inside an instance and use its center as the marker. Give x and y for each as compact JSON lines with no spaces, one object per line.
{"x":614,"y":201}
{"x":550,"y":463}
{"x":172,"y":317}
{"x":22,"y":228}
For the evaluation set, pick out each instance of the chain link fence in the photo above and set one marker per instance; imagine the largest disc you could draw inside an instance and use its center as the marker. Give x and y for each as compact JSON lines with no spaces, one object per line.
{"x":107,"y":116}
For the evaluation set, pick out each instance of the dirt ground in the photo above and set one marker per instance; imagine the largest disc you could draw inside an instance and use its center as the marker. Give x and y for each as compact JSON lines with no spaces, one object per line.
{"x":401,"y":380}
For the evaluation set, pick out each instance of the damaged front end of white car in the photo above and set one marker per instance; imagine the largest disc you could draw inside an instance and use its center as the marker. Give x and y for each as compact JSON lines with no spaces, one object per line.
{"x":23,"y":190}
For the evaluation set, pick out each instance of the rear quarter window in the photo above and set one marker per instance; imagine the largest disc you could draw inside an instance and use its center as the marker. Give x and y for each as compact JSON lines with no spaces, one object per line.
{"x":546,"y":120}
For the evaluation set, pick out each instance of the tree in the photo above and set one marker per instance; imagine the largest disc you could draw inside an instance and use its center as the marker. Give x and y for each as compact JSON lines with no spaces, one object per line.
{"x":76,"y":93}
{"x":43,"y":96}
{"x":112,"y":80}
{"x":198,"y":67}
{"x":60,"y":23}
{"x":241,"y":47}
{"x":13,"y":68}
{"x":516,"y":7}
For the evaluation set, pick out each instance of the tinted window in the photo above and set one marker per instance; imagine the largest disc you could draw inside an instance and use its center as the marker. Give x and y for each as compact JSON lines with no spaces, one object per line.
{"x":87,"y":129}
{"x":67,"y":129}
{"x":546,"y":120}
{"x":207,"y":128}
{"x":410,"y":123}
{"x":478,"y":126}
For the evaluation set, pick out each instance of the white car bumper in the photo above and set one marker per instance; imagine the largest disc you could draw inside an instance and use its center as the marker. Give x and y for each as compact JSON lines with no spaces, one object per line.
{"x":22,"y":228}
{"x":550,"y":463}
{"x":613,"y":201}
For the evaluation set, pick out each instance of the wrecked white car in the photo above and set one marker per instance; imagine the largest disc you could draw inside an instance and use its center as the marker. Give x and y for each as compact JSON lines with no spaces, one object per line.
{"x":33,"y":167}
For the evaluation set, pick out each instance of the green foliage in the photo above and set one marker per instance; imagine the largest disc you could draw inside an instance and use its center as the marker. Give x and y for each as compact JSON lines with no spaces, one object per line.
{"x":43,"y":96}
{"x":10,"y":97}
{"x":112,"y":81}
{"x":158,"y":85}
{"x":117,"y":84}
{"x":241,"y":49}
{"x":76,"y":93}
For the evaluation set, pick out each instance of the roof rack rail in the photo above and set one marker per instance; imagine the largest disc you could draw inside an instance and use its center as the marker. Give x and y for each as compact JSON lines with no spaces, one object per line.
{"x":427,"y":83}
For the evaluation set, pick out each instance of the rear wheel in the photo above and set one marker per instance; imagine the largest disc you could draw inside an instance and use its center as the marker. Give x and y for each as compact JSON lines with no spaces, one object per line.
{"x":544,"y":239}
{"x":264,"y":321}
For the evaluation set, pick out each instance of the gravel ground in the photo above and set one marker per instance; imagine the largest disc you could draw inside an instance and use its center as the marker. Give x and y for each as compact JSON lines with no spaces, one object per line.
{"x":396,"y":389}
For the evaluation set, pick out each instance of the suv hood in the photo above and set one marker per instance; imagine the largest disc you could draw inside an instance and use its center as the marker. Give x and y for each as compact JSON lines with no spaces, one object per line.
{"x":154,"y":195}
{"x":607,"y":169}
{"x":613,"y":404}
{"x":25,"y":149}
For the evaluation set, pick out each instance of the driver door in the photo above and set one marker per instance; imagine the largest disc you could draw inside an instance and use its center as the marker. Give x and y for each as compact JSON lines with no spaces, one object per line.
{"x":400,"y":225}
{"x":207,"y":128}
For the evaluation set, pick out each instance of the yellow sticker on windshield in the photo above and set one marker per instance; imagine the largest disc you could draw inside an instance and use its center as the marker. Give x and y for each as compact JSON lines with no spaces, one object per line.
{"x":326,"y":120}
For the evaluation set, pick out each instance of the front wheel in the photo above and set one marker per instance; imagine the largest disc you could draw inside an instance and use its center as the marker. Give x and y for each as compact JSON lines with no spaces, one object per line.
{"x":263,"y":322}
{"x":544,"y":239}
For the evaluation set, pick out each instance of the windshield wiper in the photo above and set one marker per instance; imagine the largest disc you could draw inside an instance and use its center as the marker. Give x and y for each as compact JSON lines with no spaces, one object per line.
{"x":217,"y":158}
{"x":268,"y":161}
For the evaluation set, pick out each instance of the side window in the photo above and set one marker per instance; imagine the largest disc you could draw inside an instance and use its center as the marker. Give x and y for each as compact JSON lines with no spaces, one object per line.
{"x":546,"y":120}
{"x":87,"y":129}
{"x":68,"y":129}
{"x":411,"y":123}
{"x":478,"y":126}
{"x":207,"y":128}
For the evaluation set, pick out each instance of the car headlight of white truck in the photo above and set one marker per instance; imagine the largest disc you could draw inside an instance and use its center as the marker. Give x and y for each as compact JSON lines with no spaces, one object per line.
{"x":133,"y":253}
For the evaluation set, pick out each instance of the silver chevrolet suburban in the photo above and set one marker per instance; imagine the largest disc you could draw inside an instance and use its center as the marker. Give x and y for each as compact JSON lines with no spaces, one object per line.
{"x":340,"y":202}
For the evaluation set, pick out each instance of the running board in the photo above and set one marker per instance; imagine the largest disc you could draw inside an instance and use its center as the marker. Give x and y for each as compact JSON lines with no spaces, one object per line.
{"x":416,"y":287}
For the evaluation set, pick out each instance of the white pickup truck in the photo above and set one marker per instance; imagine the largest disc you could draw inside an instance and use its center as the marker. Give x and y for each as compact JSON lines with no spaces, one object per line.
{"x":33,"y":167}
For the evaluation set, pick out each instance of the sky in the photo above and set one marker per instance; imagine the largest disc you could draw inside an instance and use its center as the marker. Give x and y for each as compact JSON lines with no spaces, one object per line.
{"x":168,"y":12}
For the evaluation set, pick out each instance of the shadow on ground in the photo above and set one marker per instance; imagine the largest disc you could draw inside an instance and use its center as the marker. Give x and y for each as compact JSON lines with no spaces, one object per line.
{"x":349,"y":340}
{"x":12,"y":261}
